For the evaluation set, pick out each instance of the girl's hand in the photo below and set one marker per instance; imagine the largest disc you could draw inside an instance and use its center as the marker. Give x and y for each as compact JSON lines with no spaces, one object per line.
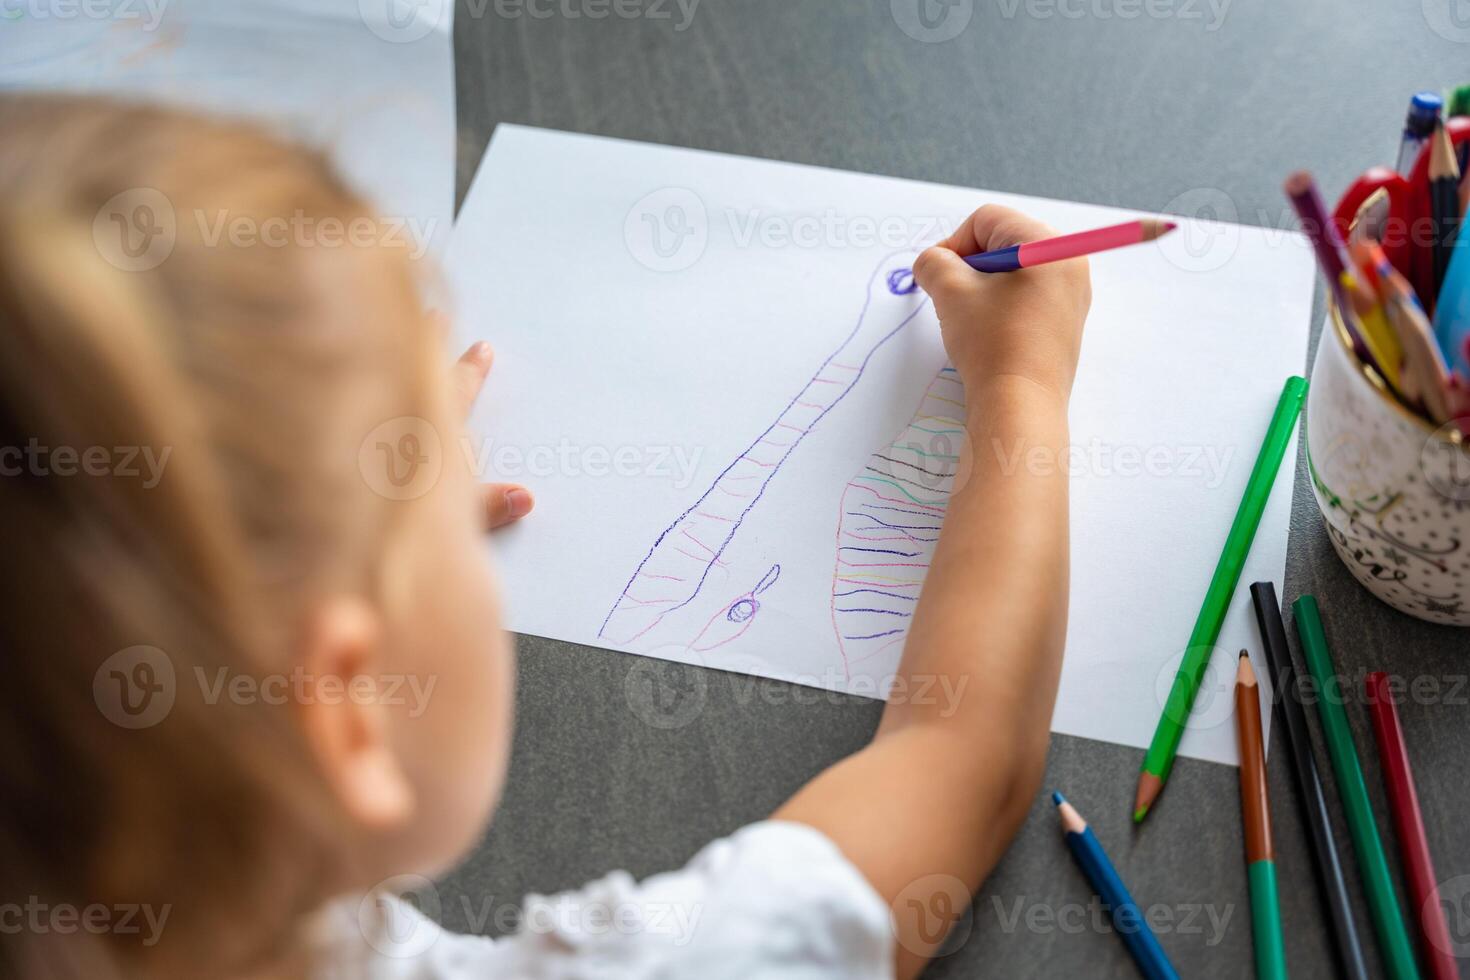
{"x":1025,"y":324}
{"x":503,"y":502}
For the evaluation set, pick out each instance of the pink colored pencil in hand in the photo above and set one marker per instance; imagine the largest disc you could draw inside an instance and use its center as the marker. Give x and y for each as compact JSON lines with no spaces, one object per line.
{"x":1072,"y":246}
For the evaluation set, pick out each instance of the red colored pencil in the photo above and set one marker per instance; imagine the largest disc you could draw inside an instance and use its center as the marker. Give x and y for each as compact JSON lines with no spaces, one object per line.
{"x":1435,"y":948}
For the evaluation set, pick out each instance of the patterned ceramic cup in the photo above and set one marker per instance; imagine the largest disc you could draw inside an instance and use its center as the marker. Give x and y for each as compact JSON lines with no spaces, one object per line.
{"x":1393,"y":489}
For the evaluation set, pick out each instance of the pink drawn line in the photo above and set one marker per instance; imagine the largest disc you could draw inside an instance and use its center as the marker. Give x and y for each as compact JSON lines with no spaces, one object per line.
{"x":902,"y":500}
{"x":685,"y":533}
{"x":667,"y":578}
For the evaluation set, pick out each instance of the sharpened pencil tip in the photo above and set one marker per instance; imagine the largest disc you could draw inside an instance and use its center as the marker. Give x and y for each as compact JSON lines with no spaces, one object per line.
{"x":1170,"y":225}
{"x":1057,"y":798}
{"x":1139,"y":814}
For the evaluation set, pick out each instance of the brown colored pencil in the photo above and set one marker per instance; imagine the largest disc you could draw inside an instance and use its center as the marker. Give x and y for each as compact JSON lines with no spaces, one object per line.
{"x":1255,"y":812}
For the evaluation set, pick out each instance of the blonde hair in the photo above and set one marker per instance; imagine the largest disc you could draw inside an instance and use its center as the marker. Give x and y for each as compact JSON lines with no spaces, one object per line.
{"x":248,"y":371}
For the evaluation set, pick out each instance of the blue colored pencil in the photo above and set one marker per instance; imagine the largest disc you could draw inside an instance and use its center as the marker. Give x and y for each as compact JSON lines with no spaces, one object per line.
{"x":1127,"y":918}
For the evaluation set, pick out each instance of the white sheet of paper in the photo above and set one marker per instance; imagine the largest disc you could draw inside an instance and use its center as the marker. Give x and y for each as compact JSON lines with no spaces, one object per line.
{"x":701,"y":350}
{"x":371,"y":81}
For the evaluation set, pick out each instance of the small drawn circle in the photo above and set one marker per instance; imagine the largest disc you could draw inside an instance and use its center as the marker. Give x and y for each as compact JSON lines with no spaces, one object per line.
{"x":135,"y":230}
{"x":135,"y":687}
{"x":742,"y":610}
{"x":933,"y":916}
{"x":402,"y":458}
{"x":1450,"y":19}
{"x":901,"y":282}
{"x":932,"y":21}
{"x":1446,"y":464}
{"x":388,"y":929}
{"x":1214,"y":703}
{"x":664,"y":694}
{"x":667,"y":230}
{"x":400,"y":21}
{"x":1208,"y":234}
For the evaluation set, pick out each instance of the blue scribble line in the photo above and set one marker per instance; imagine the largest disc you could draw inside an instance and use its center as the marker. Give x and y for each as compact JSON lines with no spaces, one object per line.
{"x":775,"y":468}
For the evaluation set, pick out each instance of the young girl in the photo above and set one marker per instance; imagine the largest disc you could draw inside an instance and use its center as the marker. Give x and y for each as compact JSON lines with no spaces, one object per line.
{"x":210,"y":765}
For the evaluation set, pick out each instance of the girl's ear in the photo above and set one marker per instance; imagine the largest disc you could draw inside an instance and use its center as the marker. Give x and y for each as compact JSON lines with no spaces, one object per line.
{"x":342,"y":718}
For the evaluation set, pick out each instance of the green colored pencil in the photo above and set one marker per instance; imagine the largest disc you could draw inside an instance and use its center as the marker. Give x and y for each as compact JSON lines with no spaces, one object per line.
{"x":1457,"y":102}
{"x":1161,"y":751}
{"x":1383,"y":901}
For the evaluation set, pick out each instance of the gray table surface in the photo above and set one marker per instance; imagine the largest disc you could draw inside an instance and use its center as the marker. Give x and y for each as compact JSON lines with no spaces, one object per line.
{"x":1172,"y":104}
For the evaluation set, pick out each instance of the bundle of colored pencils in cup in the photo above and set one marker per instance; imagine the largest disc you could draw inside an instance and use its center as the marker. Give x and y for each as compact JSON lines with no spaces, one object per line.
{"x":1394,"y":256}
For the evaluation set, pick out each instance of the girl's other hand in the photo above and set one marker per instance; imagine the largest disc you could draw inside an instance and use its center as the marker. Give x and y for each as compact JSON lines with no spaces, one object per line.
{"x":1024,"y":324}
{"x":503,"y":502}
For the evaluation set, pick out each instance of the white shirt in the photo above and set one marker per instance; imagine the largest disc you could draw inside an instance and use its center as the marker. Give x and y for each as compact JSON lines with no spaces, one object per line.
{"x":775,"y":900}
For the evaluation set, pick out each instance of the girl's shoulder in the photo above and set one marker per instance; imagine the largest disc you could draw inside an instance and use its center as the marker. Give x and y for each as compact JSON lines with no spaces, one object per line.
{"x":775,"y":898}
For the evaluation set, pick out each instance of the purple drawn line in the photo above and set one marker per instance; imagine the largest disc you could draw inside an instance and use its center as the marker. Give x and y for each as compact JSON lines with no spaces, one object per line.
{"x":891,"y":595}
{"x":911,"y":466}
{"x":872,"y":636}
{"x":896,"y":527}
{"x":885,"y":612}
{"x":884,"y":564}
{"x":884,"y":538}
{"x":889,"y":585}
{"x":901,"y":510}
{"x":899,"y":534}
{"x":857,"y":376}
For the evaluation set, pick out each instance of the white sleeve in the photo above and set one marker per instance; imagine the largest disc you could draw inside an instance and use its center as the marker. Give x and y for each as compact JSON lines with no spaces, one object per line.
{"x":774,"y":900}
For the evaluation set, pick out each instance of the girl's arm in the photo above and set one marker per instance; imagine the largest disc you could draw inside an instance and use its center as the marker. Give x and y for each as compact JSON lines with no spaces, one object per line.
{"x":927,"y":809}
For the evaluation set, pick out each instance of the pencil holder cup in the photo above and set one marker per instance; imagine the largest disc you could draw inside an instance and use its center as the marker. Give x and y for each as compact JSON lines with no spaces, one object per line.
{"x":1393,"y":489}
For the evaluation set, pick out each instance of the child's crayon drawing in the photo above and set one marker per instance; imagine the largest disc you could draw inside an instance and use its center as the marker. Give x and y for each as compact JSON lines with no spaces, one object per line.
{"x":889,"y":522}
{"x":697,"y":589}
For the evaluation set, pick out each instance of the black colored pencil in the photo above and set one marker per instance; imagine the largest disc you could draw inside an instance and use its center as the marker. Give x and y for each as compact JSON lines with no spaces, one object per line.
{"x":1312,"y":800}
{"x":1444,"y":200}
